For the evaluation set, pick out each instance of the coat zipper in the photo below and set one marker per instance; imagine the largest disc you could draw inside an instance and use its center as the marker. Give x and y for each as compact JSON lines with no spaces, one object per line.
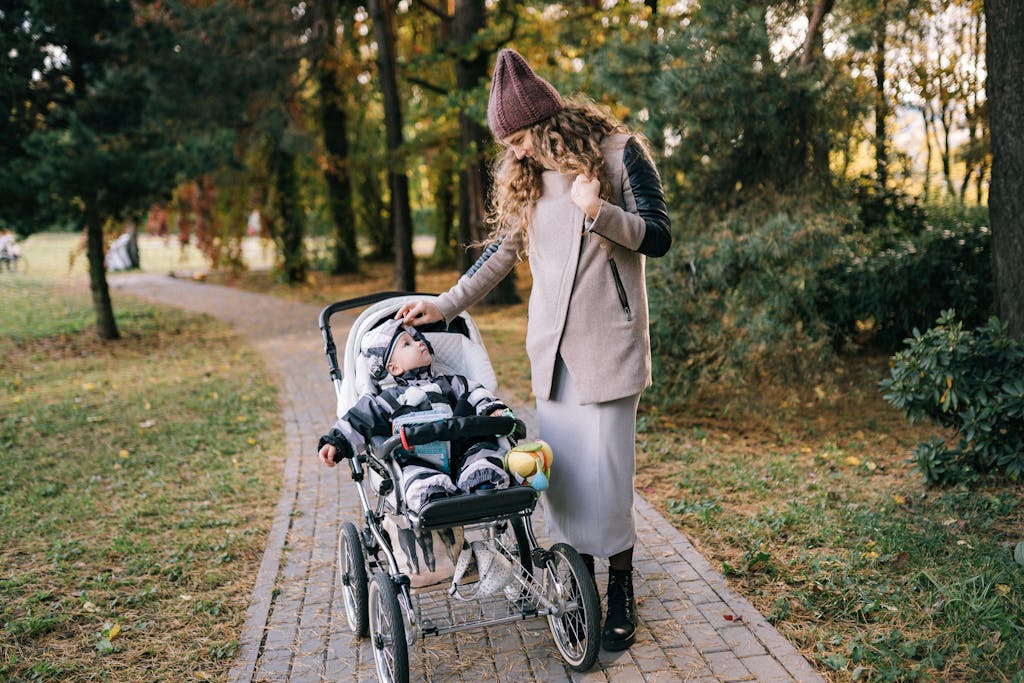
{"x":620,"y":289}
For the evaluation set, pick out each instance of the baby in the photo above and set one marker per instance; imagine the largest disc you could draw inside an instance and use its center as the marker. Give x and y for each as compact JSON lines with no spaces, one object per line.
{"x":402,"y":352}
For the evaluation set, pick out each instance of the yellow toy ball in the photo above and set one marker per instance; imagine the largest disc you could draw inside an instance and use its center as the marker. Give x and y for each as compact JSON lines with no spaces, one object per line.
{"x":530,"y":463}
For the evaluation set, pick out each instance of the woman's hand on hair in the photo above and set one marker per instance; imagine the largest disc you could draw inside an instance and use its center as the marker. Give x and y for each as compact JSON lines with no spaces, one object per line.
{"x":586,"y":194}
{"x":417,"y":313}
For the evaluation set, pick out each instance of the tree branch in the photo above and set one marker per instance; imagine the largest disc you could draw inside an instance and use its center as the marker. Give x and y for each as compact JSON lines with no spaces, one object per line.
{"x":808,"y":55}
{"x":429,"y":86}
{"x":437,"y":12}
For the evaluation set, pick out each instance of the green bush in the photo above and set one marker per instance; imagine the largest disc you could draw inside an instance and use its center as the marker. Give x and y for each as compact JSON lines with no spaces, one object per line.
{"x":898,"y":283}
{"x":970,"y":382}
{"x":736,"y":301}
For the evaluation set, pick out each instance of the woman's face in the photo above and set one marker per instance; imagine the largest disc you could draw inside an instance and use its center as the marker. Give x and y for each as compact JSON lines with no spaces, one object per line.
{"x":521,"y":144}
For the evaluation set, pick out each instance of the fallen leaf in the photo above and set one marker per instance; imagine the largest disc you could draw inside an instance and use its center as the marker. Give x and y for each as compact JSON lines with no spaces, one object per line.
{"x":114,"y":631}
{"x":1002,"y":589}
{"x":852,"y":460}
{"x":898,"y":499}
{"x":123,"y":453}
{"x":732,"y":617}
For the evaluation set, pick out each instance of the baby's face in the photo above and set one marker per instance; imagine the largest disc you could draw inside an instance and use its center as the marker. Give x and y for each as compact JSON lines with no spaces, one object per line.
{"x":408,"y":354}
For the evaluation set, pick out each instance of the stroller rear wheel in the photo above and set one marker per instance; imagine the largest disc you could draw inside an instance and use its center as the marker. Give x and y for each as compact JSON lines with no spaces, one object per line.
{"x":353,"y":579}
{"x":387,"y":631}
{"x":576,"y":624}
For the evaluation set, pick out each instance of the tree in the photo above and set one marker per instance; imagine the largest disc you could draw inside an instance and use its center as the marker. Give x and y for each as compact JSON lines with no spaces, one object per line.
{"x":122,"y":102}
{"x":334,"y":120}
{"x":1005,"y":63}
{"x":741,"y":114}
{"x":383,"y":16}
{"x":471,"y":73}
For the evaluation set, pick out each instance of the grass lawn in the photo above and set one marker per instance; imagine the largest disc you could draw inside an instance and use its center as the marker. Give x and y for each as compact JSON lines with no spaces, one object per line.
{"x":138,"y":480}
{"x":803,"y":498}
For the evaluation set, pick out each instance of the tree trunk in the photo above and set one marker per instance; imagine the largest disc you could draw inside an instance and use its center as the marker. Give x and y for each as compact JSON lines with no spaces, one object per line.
{"x":945,"y":148}
{"x":445,"y":208}
{"x":881,"y":102}
{"x":106,"y":325}
{"x":474,"y":177}
{"x":812,"y":41}
{"x":290,"y":232}
{"x":382,"y":15}
{"x":928,"y":152}
{"x":339,"y":188}
{"x":133,"y":247}
{"x":1005,"y":62}
{"x":470,"y":69}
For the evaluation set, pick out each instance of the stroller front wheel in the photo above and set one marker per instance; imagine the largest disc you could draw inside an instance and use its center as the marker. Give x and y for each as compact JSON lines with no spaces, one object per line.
{"x":576,"y":622}
{"x":353,"y":579}
{"x":387,"y":631}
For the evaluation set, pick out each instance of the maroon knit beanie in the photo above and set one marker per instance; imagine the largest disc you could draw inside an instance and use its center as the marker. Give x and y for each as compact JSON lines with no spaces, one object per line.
{"x":519,"y":97}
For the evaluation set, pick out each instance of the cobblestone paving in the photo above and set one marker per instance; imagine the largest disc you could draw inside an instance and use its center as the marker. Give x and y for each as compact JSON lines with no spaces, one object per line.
{"x":295,"y":628}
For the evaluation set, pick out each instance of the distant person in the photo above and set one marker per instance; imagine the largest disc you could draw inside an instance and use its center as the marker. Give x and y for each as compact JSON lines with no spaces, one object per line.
{"x":10,"y":251}
{"x":123,"y":253}
{"x":577,"y":194}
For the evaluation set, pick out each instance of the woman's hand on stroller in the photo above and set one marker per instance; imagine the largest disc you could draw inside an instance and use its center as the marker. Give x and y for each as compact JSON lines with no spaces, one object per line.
{"x":419,"y":313}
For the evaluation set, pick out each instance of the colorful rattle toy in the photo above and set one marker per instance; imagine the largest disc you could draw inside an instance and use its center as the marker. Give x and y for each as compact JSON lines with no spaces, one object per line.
{"x":530,"y":463}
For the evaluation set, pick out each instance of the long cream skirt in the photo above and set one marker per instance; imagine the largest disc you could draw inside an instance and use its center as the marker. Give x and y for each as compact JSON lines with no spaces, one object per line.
{"x":589,"y":503}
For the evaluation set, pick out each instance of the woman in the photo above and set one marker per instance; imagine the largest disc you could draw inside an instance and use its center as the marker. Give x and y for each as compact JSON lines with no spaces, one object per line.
{"x":578,"y":195}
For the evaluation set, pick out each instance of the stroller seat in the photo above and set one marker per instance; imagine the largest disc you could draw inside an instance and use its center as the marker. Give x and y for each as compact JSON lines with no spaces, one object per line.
{"x":458,"y":349}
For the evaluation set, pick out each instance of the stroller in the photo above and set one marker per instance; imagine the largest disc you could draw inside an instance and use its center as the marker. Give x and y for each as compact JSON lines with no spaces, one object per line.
{"x":501,"y":573}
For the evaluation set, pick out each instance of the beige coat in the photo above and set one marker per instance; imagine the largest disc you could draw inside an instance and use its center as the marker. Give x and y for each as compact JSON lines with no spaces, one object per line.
{"x":576,"y":308}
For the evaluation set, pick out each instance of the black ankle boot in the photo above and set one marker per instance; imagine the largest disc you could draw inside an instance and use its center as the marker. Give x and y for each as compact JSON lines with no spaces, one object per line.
{"x":620,"y":625}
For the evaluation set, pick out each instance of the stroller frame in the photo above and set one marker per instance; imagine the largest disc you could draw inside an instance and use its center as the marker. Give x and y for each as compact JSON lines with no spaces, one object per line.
{"x":379,"y":601}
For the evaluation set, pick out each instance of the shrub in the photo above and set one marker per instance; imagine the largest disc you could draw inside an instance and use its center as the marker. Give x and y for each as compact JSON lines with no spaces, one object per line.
{"x":970,"y":382}
{"x":900,"y":284}
{"x":735,"y":301}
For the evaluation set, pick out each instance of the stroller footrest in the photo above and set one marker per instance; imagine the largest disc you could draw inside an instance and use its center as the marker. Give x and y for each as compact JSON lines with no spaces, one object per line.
{"x":476,"y":507}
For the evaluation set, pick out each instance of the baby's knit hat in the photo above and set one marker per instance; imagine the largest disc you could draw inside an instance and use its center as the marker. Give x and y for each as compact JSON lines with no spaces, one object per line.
{"x":519,"y":98}
{"x":377,"y":346}
{"x":378,"y":343}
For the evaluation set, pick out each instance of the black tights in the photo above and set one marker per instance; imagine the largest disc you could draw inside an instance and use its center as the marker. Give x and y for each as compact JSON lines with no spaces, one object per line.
{"x":619,"y":562}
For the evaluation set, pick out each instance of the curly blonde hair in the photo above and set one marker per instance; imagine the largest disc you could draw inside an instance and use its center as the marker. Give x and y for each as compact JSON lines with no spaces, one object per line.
{"x":568,"y":142}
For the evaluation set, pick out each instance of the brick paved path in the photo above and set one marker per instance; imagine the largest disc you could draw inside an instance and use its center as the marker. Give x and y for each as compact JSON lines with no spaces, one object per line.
{"x":295,"y":628}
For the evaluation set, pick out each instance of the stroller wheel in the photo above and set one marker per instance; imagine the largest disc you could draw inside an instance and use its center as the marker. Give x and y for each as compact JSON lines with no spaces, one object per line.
{"x":353,"y":579}
{"x":387,"y":631}
{"x":576,"y":623}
